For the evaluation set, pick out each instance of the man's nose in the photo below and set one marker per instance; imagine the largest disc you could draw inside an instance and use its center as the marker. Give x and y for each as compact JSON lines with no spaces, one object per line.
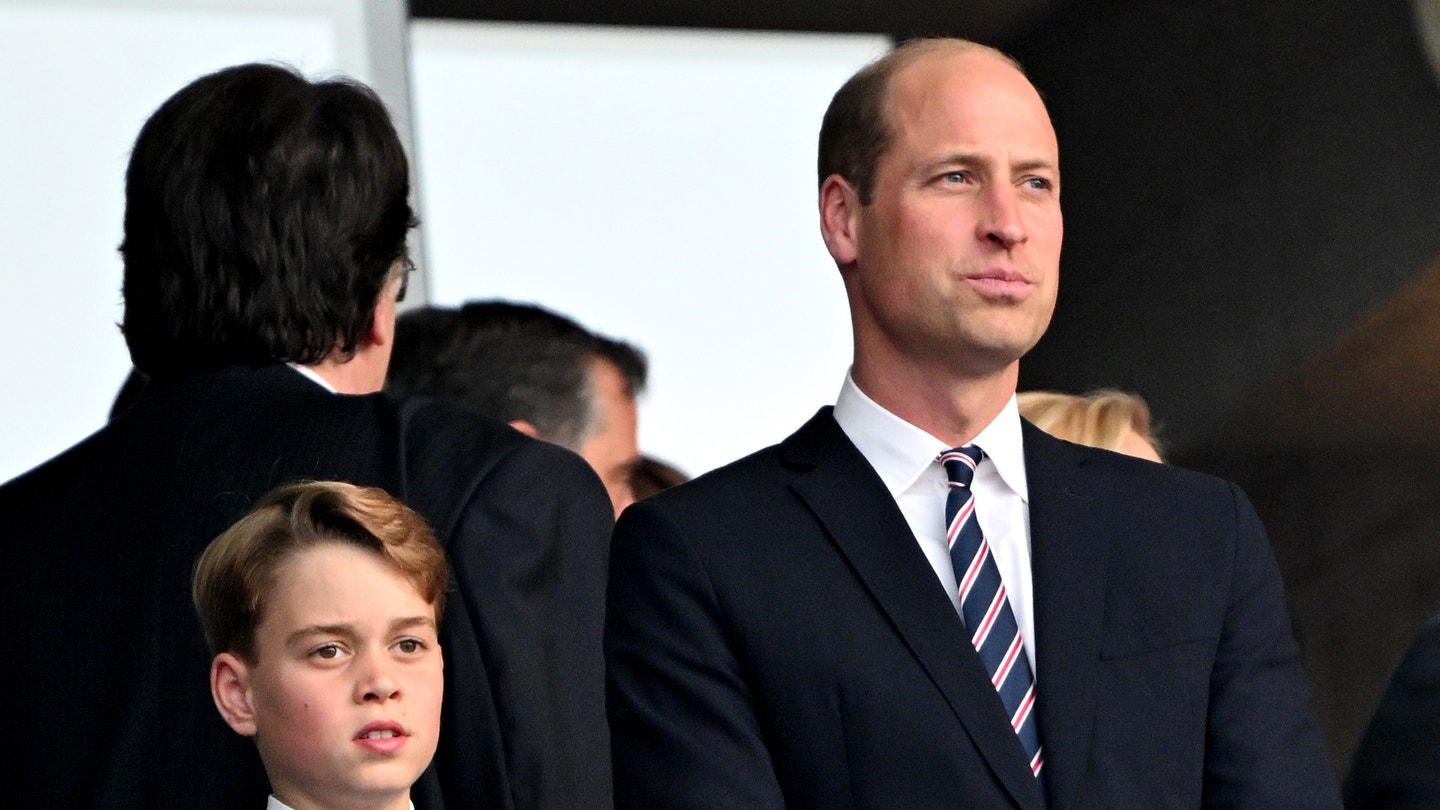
{"x":1001,"y":221}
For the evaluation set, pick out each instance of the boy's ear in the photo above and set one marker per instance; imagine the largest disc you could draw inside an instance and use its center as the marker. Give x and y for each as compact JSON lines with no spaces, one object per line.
{"x":230,"y":686}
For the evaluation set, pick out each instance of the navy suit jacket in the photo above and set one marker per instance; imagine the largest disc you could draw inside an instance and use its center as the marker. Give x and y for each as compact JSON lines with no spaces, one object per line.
{"x":776,"y":638}
{"x":108,"y":695}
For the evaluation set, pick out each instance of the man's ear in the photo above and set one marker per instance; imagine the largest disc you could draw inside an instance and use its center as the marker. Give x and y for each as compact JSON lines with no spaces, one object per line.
{"x":230,"y":687}
{"x":839,"y":207}
{"x":382,"y":320}
{"x":525,"y":427}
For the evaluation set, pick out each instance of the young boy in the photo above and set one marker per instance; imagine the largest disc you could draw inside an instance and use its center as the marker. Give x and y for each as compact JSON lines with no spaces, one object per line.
{"x":322,"y":607}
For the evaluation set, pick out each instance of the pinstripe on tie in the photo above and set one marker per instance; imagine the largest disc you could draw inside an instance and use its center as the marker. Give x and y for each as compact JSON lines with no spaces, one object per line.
{"x":984,"y":606}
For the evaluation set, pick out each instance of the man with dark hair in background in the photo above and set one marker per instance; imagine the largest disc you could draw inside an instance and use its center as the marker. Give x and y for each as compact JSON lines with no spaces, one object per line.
{"x":919,"y":600}
{"x":541,"y":372}
{"x":264,"y":250}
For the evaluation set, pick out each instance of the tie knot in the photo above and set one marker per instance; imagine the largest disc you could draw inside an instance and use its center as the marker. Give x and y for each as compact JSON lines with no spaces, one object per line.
{"x":960,"y":463}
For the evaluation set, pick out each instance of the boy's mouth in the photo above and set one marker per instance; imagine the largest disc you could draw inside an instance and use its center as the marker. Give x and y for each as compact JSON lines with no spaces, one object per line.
{"x":382,"y":737}
{"x":381,"y":730}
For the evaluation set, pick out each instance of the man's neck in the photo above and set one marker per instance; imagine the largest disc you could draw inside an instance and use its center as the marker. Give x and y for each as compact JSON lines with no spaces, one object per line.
{"x":356,"y":375}
{"x":360,"y":372}
{"x":951,"y":407}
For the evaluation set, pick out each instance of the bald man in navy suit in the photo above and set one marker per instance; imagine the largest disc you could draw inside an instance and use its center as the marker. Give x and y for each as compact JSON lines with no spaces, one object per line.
{"x":794,"y":630}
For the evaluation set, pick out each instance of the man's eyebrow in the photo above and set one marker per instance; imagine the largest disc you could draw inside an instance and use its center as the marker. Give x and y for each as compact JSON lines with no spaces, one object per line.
{"x":958,"y":159}
{"x":970,"y":159}
{"x":1037,"y":163}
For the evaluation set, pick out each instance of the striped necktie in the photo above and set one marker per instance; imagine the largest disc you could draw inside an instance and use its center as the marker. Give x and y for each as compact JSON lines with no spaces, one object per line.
{"x":984,"y":606}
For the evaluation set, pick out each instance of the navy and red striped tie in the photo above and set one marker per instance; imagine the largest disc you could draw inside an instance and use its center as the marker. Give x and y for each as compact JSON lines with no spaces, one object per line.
{"x":984,"y":606}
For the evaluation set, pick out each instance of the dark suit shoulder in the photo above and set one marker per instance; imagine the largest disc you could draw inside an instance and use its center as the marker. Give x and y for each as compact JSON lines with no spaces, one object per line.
{"x":449,"y":452}
{"x":767,"y":472}
{"x":1095,"y":472}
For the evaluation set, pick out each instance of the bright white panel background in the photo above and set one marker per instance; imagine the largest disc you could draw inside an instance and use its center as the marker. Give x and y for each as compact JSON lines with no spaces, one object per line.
{"x":656,"y":186}
{"x":77,"y":80}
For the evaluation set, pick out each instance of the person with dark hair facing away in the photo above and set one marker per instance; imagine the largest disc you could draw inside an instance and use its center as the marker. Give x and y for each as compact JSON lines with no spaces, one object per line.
{"x":264,"y":246}
{"x":539,"y":371}
{"x":919,"y":600}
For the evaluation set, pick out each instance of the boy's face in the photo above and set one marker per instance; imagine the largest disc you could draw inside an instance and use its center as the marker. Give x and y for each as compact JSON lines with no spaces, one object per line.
{"x":344,"y":700}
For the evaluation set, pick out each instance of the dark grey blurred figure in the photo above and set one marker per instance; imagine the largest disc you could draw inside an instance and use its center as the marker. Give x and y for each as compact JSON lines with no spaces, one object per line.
{"x":1397,"y":766}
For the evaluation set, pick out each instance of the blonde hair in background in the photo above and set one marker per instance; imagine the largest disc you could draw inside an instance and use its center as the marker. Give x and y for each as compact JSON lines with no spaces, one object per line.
{"x":1100,"y":418}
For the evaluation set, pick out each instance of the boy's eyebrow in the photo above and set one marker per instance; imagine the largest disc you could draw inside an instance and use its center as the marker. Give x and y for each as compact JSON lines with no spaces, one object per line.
{"x":321,"y":630}
{"x":349,"y":629}
{"x":413,"y":621}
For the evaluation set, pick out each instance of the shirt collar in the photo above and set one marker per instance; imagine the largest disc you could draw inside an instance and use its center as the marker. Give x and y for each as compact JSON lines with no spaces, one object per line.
{"x":901,"y":452}
{"x":314,"y":376}
{"x":275,"y":804}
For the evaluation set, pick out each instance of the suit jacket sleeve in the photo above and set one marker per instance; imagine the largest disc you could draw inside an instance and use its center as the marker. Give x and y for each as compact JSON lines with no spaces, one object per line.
{"x":529,"y":557}
{"x":1263,"y":749}
{"x":684,"y":725}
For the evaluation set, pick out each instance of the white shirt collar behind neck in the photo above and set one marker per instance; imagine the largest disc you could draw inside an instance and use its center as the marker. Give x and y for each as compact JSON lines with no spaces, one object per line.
{"x":313,"y":376}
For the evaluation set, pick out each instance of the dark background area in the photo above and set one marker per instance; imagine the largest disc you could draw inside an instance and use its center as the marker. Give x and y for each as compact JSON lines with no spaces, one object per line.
{"x":1252,"y":203}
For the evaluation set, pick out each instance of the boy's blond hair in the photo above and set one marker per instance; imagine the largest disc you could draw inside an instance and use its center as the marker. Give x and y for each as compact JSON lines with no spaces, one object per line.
{"x":236,"y":574}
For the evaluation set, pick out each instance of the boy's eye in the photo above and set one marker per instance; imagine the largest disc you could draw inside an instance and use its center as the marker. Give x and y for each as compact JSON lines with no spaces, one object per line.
{"x":409,"y":645}
{"x":327,"y":652}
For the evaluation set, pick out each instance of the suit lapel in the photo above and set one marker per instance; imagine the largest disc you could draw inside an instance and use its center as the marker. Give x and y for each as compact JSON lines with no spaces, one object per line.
{"x":1067,"y":566}
{"x":852,"y":504}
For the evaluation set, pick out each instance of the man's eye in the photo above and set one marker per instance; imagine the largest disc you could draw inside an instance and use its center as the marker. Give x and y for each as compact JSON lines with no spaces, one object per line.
{"x":327,"y":652}
{"x":955,"y":177}
{"x":409,"y":645}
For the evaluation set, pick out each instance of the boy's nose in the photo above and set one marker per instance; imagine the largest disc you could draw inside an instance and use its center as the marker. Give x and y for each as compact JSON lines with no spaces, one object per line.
{"x":377,"y":683}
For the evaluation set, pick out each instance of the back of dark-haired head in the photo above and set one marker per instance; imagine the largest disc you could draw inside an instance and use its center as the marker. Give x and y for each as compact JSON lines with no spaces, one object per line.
{"x":509,"y":362}
{"x":855,"y":133}
{"x":263,"y":213}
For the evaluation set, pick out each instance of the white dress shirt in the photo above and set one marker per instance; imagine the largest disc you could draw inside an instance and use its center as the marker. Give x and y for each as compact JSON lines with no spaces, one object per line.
{"x":904,"y":456}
